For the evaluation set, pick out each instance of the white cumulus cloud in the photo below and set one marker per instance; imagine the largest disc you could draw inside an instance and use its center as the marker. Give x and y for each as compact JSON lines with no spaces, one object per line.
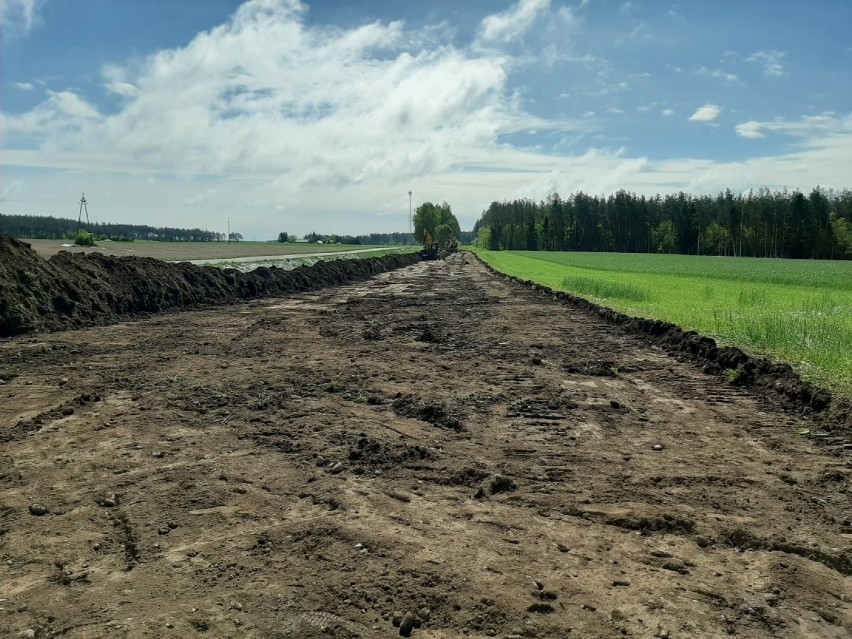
{"x":706,"y":113}
{"x":60,"y":113}
{"x":511,"y":24}
{"x":266,"y":95}
{"x":770,"y":60}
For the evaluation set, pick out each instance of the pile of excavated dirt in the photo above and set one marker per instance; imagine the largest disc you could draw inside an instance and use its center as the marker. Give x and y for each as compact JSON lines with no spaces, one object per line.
{"x":72,"y":291}
{"x":834,"y":414}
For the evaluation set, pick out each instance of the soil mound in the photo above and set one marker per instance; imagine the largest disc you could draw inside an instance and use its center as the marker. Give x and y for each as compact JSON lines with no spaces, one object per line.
{"x":76,"y":290}
{"x":754,"y":372}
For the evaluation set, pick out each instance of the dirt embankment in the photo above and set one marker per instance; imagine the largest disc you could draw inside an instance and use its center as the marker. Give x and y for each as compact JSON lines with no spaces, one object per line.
{"x":72,"y":291}
{"x":832,"y":413}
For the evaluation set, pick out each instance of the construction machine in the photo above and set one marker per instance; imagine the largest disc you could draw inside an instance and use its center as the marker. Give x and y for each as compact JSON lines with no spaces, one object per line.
{"x":430,"y":247}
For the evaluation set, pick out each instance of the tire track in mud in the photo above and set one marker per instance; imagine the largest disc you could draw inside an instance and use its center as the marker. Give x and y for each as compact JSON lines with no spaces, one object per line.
{"x":433,"y":441}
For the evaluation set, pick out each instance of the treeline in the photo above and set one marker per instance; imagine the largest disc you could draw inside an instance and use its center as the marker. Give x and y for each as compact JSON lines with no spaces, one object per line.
{"x":378,"y":239}
{"x":370,"y":239}
{"x":57,"y":228}
{"x":760,"y":223}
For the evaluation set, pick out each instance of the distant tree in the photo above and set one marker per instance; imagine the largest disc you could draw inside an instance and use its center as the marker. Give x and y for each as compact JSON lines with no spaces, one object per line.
{"x":432,"y":217}
{"x":665,"y":237}
{"x":84,"y":238}
{"x":283,"y":237}
{"x":842,"y":234}
{"x":235,"y":237}
{"x":483,"y":238}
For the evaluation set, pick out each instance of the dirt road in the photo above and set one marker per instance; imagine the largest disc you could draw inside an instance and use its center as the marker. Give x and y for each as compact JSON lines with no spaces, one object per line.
{"x":435,"y":447}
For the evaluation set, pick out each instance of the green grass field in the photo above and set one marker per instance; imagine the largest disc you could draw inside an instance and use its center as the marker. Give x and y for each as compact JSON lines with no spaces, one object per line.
{"x":795,"y":311}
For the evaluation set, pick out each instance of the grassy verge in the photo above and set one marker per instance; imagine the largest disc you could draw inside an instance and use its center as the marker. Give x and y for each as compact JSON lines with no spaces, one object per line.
{"x":791,"y":310}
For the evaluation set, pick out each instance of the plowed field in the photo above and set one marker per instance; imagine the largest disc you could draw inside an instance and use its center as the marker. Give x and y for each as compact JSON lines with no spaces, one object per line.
{"x":435,"y":448}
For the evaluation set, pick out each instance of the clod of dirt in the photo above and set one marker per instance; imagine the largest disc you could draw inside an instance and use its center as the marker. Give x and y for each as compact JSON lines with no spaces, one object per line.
{"x":466,"y":477}
{"x":426,"y":336}
{"x":424,"y":613}
{"x":406,"y":626}
{"x":593,"y":368}
{"x":372,"y":333}
{"x":702,"y":541}
{"x":501,"y":484}
{"x":38,"y":509}
{"x":370,"y":452}
{"x":435,"y":414}
{"x":541,"y":608}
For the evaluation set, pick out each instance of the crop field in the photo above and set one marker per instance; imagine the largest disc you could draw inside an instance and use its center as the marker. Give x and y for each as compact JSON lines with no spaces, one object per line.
{"x":791,"y":310}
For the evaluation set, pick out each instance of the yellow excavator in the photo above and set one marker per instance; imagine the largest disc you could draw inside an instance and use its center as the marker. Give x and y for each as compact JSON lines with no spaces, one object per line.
{"x":430,"y":247}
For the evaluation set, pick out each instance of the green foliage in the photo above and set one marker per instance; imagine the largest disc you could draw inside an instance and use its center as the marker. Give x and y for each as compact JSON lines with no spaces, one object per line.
{"x":797,"y":311}
{"x":439,"y":221}
{"x":48,"y":227}
{"x":283,"y":237}
{"x":842,"y":231}
{"x":84,"y":238}
{"x":444,"y":236}
{"x":483,"y":238}
{"x":758,"y":224}
{"x":665,"y":237}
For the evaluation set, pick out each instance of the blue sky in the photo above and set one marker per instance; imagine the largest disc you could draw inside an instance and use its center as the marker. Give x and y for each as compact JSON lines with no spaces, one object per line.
{"x":300,"y":116}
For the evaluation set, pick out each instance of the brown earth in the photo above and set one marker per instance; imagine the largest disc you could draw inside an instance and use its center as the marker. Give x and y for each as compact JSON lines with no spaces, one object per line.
{"x":435,"y":441}
{"x":183,"y":250}
{"x":75,"y":290}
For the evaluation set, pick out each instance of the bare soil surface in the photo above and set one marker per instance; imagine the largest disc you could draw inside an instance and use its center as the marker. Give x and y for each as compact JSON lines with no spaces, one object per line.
{"x":434,"y":451}
{"x":76,"y":290}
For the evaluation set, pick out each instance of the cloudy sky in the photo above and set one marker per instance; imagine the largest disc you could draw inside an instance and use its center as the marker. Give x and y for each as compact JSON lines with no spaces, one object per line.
{"x":322,"y":115}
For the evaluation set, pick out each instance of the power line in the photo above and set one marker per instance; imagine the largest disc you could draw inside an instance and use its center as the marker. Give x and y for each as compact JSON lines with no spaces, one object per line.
{"x":83,"y":204}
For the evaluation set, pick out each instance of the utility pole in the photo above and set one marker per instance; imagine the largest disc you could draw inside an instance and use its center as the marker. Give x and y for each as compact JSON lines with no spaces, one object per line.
{"x":228,"y":237}
{"x":410,"y":219}
{"x":83,"y":204}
